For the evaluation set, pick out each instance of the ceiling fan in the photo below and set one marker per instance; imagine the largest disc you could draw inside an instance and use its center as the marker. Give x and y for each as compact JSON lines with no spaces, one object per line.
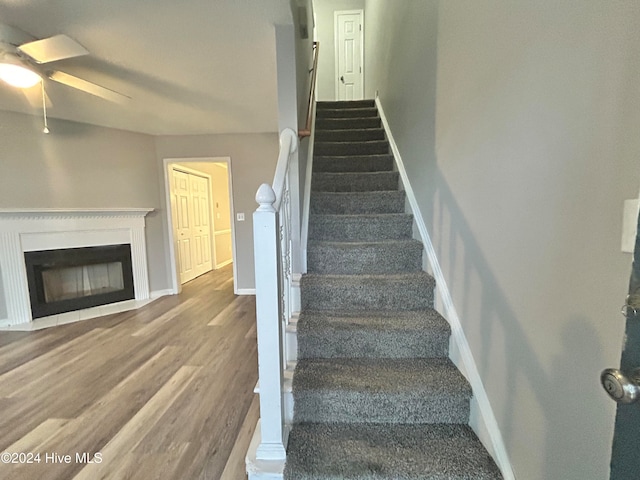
{"x":24,"y":59}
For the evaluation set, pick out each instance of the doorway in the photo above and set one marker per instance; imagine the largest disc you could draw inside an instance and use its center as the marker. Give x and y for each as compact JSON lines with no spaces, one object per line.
{"x":199,"y":204}
{"x":349,"y":55}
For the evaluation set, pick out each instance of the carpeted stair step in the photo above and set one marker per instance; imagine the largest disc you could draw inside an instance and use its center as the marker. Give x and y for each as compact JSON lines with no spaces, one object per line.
{"x":364,"y":257}
{"x":354,"y":181}
{"x":341,"y":104}
{"x":347,"y":123}
{"x":380,"y":390}
{"x":361,"y":112}
{"x":407,"y":291}
{"x":360,"y":228}
{"x":386,"y":452}
{"x":353,"y":163}
{"x":373,"y":147}
{"x":370,"y":334}
{"x":351,"y":135}
{"x":357,"y":202}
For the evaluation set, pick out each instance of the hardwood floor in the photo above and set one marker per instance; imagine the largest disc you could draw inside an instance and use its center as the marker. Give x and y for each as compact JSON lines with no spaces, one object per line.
{"x":162,"y":392}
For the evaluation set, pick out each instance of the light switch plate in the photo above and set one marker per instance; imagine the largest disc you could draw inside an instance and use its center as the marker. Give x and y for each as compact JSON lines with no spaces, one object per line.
{"x":630,"y":224}
{"x":240,"y":217}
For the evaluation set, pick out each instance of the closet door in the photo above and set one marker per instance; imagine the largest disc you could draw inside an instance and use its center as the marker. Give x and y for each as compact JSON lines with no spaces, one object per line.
{"x":183,"y":225}
{"x":201,"y":231}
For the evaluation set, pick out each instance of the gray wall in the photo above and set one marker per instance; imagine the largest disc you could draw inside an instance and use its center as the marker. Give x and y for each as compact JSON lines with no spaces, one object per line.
{"x":518,"y":123}
{"x":324,"y":10}
{"x":253,"y":161}
{"x":78,"y":166}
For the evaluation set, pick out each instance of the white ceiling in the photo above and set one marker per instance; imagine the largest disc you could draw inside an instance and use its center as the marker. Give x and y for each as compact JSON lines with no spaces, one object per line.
{"x":191,"y":66}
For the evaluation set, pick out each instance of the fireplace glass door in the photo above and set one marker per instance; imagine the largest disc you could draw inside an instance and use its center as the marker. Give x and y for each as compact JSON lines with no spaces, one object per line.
{"x":73,"y":282}
{"x":75,"y":278}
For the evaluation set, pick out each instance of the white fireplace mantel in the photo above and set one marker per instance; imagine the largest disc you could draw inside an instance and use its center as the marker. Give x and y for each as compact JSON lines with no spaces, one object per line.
{"x":30,"y":229}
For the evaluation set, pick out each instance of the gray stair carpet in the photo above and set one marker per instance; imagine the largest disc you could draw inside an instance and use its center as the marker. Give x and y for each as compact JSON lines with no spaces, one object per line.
{"x":375,"y":394}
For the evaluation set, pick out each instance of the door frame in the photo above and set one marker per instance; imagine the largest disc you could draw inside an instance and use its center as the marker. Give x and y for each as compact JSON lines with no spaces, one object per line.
{"x":337,"y":47}
{"x":176,"y":286}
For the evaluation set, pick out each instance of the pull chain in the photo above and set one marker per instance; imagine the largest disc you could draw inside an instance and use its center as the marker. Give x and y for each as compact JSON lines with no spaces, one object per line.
{"x":44,"y":110}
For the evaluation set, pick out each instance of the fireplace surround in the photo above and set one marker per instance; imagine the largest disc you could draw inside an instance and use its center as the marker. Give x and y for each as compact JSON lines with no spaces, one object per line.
{"x":34,"y":230}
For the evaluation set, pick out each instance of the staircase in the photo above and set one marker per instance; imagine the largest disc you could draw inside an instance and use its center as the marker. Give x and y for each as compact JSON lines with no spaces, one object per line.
{"x":376,"y":396}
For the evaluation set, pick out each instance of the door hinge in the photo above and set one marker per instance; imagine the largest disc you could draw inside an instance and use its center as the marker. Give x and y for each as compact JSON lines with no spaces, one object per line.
{"x":360,"y":27}
{"x":360,"y":69}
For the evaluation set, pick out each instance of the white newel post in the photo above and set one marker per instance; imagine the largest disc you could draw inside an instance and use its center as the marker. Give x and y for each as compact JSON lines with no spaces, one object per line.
{"x":266,"y":255}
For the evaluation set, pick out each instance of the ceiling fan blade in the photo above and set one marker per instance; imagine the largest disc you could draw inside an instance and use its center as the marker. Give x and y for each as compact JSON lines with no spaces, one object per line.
{"x":58,"y":47}
{"x":88,"y":87}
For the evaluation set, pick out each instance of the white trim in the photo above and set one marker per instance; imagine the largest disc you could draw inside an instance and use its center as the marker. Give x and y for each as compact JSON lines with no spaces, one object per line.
{"x":224,"y":264}
{"x":493,"y":433}
{"x":245,"y":291}
{"x":30,"y":213}
{"x":336,"y":49}
{"x":24,"y":230}
{"x":176,"y":287}
{"x":160,"y":293}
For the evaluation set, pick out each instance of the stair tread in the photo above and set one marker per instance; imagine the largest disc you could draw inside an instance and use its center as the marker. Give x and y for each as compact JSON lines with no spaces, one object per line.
{"x":358,"y":203}
{"x":400,"y":243}
{"x":371,"y":334}
{"x":366,"y":216}
{"x":435,"y":376}
{"x":369,"y":103}
{"x":377,"y":173}
{"x":320,"y":277}
{"x":354,"y":157}
{"x":387,"y":451}
{"x":347,"y":142}
{"x":423,"y":321}
{"x":341,"y":130}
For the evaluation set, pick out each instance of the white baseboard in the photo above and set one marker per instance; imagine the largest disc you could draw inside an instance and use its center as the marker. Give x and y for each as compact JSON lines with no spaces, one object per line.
{"x":161,"y":293}
{"x":489,"y":433}
{"x":224,"y":264}
{"x":245,"y":291}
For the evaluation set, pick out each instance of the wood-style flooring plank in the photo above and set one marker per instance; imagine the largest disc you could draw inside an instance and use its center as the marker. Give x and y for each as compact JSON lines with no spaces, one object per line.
{"x":235,"y":467}
{"x":157,"y":392}
{"x":131,"y":434}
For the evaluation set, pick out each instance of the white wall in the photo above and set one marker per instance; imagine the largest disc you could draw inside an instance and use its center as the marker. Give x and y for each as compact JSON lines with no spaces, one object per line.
{"x":518,"y":123}
{"x":253,"y":160}
{"x":324,"y":16}
{"x":77,"y":166}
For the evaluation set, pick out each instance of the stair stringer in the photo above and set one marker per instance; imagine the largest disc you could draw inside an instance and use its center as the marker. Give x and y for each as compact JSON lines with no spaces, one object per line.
{"x":482,"y":419}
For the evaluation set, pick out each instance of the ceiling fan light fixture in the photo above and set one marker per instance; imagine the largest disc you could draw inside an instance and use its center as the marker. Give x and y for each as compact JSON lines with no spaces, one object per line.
{"x":18,"y":75}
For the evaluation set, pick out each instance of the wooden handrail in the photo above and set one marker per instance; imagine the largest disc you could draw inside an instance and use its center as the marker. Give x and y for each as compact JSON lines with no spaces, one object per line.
{"x":306,"y":132}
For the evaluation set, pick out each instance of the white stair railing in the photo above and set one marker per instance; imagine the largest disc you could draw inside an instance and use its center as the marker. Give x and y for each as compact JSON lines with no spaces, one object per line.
{"x":273,"y":238}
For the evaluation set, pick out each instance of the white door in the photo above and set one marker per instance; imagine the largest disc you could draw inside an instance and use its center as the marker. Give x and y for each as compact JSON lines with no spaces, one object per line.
{"x":181,"y":199}
{"x":201,"y":231}
{"x":349,"y":55}
{"x":190,"y":204}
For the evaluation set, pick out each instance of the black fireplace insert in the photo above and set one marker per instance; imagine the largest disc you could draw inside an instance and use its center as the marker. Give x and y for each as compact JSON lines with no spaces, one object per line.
{"x":71,"y":279}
